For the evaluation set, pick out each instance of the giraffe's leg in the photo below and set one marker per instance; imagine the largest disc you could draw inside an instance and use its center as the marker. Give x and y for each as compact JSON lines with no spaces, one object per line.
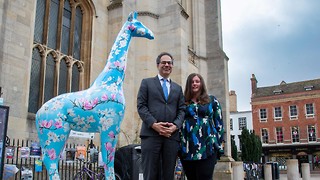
{"x":52,"y":141}
{"x":108,"y":147}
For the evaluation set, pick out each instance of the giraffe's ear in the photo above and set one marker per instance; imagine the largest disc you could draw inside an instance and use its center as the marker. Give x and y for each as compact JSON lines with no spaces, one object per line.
{"x":135,"y":15}
{"x":132,"y":15}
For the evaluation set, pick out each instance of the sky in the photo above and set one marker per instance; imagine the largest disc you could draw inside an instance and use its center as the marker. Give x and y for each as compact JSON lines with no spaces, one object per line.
{"x":277,"y":40}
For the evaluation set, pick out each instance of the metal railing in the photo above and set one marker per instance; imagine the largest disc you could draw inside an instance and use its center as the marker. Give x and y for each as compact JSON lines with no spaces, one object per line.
{"x":67,"y":169}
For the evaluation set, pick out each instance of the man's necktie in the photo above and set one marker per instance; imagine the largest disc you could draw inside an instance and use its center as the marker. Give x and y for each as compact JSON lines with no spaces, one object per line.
{"x":165,"y":88}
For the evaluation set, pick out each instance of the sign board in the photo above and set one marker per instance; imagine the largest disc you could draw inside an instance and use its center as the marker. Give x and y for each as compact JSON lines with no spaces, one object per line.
{"x":4,"y":114}
{"x":81,"y":134}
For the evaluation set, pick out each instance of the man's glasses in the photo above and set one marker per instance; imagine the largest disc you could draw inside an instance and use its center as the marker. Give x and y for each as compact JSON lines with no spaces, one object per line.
{"x":165,"y":62}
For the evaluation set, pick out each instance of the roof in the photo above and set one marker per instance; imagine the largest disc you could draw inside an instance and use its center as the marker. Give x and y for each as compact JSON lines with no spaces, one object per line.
{"x":288,"y":88}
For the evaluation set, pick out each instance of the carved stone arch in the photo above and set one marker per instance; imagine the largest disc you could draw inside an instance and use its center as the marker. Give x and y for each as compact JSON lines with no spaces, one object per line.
{"x":79,"y":64}
{"x":66,"y":58}
{"x":81,"y":69}
{"x":54,"y":54}
{"x":41,"y":49}
{"x":88,"y":6}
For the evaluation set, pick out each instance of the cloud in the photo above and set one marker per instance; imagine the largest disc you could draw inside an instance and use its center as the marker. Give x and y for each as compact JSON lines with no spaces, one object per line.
{"x":274,"y":39}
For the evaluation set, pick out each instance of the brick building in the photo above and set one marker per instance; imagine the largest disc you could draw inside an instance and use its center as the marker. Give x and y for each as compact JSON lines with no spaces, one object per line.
{"x":286,"y":117}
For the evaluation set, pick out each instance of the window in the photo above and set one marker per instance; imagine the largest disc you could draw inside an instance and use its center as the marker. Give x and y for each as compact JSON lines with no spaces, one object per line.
{"x":265,"y":136}
{"x":309,"y":110}
{"x":242,"y":123}
{"x":277,"y":113}
{"x":293,"y":112}
{"x":231,"y":124}
{"x":263,"y":114}
{"x":61,"y":50}
{"x":295,"y":134}
{"x":279,"y":134}
{"x":312,"y":133}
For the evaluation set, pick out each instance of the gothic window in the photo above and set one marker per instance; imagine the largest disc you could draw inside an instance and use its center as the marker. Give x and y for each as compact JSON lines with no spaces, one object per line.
{"x":279,"y":134}
{"x":312,"y":133}
{"x":60,"y":63}
{"x":295,"y":134}
{"x":265,"y":136}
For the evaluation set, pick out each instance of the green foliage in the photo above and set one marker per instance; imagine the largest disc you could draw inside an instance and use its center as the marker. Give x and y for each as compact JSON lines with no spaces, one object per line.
{"x":251,"y":146}
{"x":234,"y":150}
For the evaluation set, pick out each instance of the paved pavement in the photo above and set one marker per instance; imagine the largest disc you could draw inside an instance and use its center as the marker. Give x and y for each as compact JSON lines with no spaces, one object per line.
{"x":312,"y":177}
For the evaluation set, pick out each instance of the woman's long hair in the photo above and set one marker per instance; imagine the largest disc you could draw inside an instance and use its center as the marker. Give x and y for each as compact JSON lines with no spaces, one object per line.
{"x":188,"y":94}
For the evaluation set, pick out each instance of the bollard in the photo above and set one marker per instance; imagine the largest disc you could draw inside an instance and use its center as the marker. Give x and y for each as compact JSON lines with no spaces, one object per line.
{"x":267,"y":172}
{"x":237,"y":168}
{"x":305,"y":170}
{"x":293,"y":169}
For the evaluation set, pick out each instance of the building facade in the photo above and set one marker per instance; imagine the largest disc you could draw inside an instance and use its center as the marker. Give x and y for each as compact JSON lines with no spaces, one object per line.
{"x":286,"y":117}
{"x":238,"y":120}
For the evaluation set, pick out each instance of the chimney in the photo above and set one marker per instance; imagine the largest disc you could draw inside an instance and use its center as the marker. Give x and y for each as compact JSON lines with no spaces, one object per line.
{"x":233,"y":101}
{"x":254,"y":83}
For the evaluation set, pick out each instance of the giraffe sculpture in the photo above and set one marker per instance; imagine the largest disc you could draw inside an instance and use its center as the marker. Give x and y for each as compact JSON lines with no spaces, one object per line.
{"x":99,"y":108}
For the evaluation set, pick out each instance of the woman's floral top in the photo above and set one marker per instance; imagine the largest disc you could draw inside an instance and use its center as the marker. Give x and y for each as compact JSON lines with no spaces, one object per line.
{"x":202,"y":130}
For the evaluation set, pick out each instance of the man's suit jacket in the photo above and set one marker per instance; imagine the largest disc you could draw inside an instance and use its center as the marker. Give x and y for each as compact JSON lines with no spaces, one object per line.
{"x":152,"y":106}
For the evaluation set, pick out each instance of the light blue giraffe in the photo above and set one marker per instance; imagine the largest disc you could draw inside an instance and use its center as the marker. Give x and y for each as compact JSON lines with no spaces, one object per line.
{"x":99,"y":108}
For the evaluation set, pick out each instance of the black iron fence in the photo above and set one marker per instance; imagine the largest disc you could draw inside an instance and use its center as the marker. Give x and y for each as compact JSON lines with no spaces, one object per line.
{"x":253,"y":171}
{"x":29,"y":167}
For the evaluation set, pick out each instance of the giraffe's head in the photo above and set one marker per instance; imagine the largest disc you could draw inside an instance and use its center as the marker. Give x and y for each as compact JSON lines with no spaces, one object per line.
{"x":137,"y":28}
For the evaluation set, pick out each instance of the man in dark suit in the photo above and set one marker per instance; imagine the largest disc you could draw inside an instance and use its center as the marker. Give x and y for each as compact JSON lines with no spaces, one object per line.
{"x":161,"y":107}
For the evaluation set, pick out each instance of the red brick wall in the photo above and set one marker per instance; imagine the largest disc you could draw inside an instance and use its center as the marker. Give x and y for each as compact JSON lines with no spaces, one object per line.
{"x":284,"y":101}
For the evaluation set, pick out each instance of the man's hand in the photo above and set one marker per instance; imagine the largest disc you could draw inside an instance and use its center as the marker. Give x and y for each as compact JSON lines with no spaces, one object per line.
{"x":164,"y":128}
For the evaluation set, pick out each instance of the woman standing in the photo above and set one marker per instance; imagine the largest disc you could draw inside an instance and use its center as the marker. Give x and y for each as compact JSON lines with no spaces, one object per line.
{"x":202,"y":130}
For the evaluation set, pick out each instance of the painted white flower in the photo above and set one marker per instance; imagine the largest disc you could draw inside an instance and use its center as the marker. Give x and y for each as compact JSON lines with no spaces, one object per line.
{"x":123,"y":43}
{"x":71,"y":112}
{"x":53,"y":166}
{"x":117,"y":51}
{"x":55,"y":177}
{"x":57,"y":105}
{"x":106,"y":123}
{"x":113,"y":88}
{"x":63,"y":137}
{"x":125,"y":35}
{"x":91,"y":119}
{"x":81,"y":121}
{"x":66,"y":127}
{"x":48,"y":142}
{"x":110,"y":112}
{"x":50,"y":135}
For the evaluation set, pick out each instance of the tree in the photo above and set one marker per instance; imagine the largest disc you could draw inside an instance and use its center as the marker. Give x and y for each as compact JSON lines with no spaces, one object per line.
{"x":234,"y":150}
{"x":251,"y":146}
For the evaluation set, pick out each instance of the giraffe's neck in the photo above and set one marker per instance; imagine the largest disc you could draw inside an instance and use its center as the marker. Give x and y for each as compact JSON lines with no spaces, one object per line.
{"x":114,"y":71}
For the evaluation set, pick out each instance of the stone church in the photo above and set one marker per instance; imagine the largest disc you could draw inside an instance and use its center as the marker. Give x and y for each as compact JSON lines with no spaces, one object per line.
{"x":49,"y":47}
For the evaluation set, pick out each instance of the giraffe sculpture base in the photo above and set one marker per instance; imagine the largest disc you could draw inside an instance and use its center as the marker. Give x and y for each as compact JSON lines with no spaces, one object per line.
{"x":223,"y":168}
